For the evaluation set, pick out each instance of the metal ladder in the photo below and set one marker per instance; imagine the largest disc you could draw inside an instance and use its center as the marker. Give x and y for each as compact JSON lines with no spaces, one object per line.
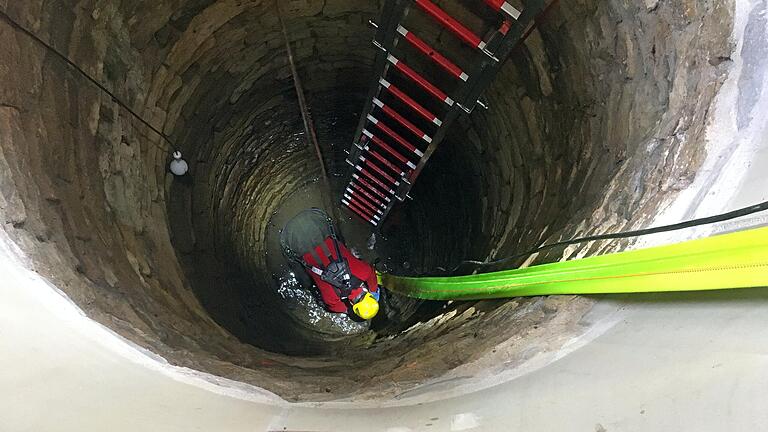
{"x":406,"y":114}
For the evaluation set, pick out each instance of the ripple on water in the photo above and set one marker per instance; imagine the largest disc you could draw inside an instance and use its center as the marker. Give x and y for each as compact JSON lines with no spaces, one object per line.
{"x":305,"y":307}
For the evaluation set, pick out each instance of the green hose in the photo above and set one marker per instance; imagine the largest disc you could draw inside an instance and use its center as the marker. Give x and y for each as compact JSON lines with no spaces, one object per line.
{"x":737,"y":260}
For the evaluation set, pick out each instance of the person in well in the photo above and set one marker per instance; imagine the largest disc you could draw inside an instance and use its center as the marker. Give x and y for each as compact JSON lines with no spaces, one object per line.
{"x":344,"y":282}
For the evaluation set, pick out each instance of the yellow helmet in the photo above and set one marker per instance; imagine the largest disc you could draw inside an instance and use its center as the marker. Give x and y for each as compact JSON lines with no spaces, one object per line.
{"x":367,"y":307}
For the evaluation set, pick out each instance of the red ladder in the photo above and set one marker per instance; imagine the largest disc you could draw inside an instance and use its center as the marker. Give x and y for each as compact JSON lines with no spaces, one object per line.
{"x":407,"y":114}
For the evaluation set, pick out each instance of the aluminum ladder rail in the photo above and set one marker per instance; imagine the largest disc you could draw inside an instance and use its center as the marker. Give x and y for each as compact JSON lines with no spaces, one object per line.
{"x":386,"y":163}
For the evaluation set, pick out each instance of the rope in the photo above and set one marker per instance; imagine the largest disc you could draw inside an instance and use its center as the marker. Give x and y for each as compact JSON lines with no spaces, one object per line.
{"x":306,"y":118}
{"x":18,"y":27}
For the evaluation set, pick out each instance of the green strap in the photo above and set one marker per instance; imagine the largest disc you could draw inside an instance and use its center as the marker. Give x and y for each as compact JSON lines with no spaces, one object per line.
{"x":736,"y":260}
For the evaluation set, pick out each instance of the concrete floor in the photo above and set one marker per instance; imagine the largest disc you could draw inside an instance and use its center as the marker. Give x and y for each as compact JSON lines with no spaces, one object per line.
{"x":682,"y":362}
{"x":692,"y":361}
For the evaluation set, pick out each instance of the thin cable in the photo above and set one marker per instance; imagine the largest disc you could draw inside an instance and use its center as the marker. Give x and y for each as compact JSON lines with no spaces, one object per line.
{"x":15,"y":25}
{"x":627,"y":234}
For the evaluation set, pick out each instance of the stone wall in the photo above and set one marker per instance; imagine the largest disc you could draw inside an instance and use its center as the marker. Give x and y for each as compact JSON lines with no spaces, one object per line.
{"x":594,"y":123}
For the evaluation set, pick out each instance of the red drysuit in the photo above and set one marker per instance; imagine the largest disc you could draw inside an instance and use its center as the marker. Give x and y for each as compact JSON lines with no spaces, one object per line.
{"x":360,"y":269}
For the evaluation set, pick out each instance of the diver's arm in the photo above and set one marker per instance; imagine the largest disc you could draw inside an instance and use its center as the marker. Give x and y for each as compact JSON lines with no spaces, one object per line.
{"x":332,"y":301}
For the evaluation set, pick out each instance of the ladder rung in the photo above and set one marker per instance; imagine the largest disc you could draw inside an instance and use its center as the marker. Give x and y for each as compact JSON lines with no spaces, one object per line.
{"x":378,"y":141}
{"x":503,"y":6}
{"x":369,"y":163}
{"x":410,"y":102}
{"x":451,"y":24}
{"x":354,"y":187}
{"x":378,"y":190}
{"x":391,"y":151}
{"x":370,"y":187}
{"x":402,"y":120}
{"x":367,"y":212}
{"x":394,"y":168}
{"x":420,"y":80}
{"x":430,"y":52}
{"x":353,"y":196}
{"x":375,"y":181}
{"x":394,"y":135}
{"x":359,"y":205}
{"x":348,"y":202}
{"x":359,"y":213}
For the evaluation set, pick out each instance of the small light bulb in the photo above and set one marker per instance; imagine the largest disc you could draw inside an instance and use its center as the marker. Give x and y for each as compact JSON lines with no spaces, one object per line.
{"x":178,"y":165}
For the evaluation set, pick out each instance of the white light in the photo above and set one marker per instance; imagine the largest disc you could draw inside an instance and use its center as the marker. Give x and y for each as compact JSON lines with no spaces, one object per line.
{"x":178,"y":166}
